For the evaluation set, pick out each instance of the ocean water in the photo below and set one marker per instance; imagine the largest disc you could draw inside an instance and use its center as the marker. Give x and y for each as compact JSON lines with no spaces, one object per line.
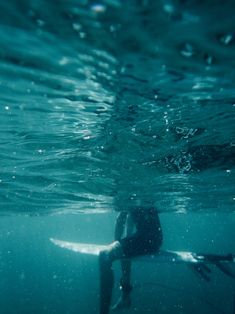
{"x":105,"y":104}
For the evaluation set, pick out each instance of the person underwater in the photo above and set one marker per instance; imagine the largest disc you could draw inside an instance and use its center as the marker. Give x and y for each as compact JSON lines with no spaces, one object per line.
{"x":138,"y":232}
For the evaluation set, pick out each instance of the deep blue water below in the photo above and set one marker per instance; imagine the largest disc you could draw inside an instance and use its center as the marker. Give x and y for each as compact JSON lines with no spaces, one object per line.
{"x":105,"y":105}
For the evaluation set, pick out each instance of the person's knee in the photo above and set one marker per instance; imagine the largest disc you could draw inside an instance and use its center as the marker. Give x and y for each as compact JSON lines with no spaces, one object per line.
{"x":115,"y":251}
{"x":104,"y":258}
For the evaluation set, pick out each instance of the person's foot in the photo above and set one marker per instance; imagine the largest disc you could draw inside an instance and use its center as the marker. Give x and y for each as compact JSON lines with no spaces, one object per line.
{"x":122,"y":303}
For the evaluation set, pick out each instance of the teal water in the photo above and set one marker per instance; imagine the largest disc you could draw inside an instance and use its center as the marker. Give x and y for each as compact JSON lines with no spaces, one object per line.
{"x":102,"y":105}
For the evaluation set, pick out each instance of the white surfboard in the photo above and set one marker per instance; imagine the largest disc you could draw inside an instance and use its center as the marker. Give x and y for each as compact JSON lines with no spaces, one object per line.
{"x":163,"y":256}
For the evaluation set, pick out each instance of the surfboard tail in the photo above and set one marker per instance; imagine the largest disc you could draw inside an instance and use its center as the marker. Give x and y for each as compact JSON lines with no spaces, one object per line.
{"x":82,"y":248}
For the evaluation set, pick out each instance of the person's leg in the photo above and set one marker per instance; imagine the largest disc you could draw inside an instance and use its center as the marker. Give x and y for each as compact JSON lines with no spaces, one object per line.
{"x":106,"y":258}
{"x":133,"y":246}
{"x":125,"y":286}
{"x":126,"y":275}
{"x":106,"y":282}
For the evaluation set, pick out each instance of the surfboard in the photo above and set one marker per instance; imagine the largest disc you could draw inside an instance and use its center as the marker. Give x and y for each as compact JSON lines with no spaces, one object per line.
{"x":163,"y":256}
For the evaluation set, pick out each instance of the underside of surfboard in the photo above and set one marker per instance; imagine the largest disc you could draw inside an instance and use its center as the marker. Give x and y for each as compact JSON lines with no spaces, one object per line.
{"x":163,"y":256}
{"x":198,"y":263}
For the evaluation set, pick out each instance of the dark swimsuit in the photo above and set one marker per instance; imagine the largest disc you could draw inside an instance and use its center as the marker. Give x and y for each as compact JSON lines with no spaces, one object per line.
{"x":148,"y":236}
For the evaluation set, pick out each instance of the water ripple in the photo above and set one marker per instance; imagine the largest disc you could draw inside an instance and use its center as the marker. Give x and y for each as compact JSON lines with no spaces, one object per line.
{"x":112,"y":104}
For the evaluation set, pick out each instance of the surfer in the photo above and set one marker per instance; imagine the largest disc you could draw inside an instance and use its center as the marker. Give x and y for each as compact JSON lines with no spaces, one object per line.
{"x":142,"y":236}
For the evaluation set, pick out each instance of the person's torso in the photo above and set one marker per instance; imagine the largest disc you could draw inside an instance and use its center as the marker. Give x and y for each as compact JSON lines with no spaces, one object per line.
{"x":146,"y":221}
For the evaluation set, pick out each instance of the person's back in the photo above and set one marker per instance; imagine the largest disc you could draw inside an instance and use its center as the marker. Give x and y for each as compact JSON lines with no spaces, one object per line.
{"x":146,"y":220}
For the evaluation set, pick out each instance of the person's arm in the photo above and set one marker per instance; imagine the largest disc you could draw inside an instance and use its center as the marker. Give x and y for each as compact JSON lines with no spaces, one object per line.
{"x":119,"y":226}
{"x":129,"y":225}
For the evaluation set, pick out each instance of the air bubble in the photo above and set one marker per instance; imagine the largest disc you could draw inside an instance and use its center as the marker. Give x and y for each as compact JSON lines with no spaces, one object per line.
{"x":98,"y":8}
{"x":226,"y":39}
{"x":77,"y":27}
{"x":187,"y":51}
